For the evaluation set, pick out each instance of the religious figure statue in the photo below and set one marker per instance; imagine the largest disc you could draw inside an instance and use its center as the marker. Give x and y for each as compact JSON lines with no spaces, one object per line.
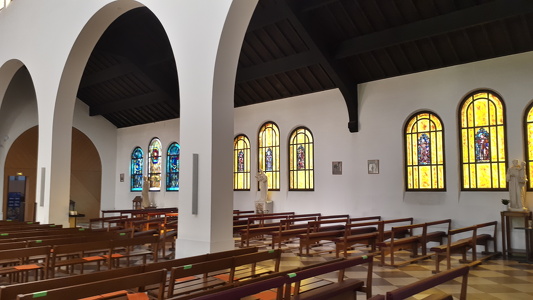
{"x":516,"y":176}
{"x":263,"y":185}
{"x":145,"y":196}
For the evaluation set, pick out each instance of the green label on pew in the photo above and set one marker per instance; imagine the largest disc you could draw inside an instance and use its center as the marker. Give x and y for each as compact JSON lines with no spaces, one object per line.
{"x":52,"y":225}
{"x":270,"y":251}
{"x":186,"y":267}
{"x":38,"y":241}
{"x":4,"y":234}
{"x":40,"y":294}
{"x":291,"y":275}
{"x":365,"y":257}
{"x":81,"y":229}
{"x":29,"y":223}
{"x":9,"y":220}
{"x":122,"y":233}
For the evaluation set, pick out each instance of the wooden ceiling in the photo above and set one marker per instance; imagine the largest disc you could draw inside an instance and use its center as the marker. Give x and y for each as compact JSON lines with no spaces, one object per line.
{"x":297,"y":47}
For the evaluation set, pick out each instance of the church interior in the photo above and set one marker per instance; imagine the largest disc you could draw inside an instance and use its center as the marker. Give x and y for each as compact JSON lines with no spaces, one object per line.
{"x":382,"y":148}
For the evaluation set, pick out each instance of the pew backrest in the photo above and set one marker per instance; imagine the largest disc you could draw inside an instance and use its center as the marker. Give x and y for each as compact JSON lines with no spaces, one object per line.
{"x":101,"y":287}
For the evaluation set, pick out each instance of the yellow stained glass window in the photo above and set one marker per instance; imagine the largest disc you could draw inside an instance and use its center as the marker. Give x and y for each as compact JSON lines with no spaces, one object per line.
{"x":528,"y":132}
{"x":483,"y":149}
{"x":269,"y":153}
{"x":241,"y":163}
{"x":301,"y":160}
{"x":154,"y":163}
{"x":424,"y":148}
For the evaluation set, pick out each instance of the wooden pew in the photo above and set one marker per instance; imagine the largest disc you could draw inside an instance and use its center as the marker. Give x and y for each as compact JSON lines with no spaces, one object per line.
{"x":319,"y":231}
{"x":412,"y":241}
{"x":137,"y":281}
{"x":21,"y":261}
{"x":102,"y":221}
{"x":192,"y":278}
{"x":125,"y":249}
{"x":430,"y":282}
{"x":462,"y":245}
{"x":341,"y":287}
{"x":238,"y":292}
{"x":70,"y":255}
{"x":289,"y":229}
{"x":242,"y":222}
{"x":259,"y":226}
{"x":367,"y":233}
{"x":9,"y":292}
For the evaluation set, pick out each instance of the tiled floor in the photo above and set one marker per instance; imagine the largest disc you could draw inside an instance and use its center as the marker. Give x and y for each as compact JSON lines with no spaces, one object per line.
{"x":493,"y":279}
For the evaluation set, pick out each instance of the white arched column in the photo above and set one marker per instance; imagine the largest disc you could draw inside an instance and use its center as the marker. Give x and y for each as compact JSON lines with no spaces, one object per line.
{"x":206,"y":38}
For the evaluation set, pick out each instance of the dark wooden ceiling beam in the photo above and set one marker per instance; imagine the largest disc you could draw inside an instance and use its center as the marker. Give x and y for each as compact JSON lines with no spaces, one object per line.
{"x":335,"y":70}
{"x":129,"y":103}
{"x":107,"y":74}
{"x":473,"y":16}
{"x":281,"y":65}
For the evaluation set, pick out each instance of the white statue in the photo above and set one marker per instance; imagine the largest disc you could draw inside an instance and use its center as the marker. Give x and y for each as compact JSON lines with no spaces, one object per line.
{"x":516,"y":176}
{"x":263,"y":185}
{"x":145,"y":196}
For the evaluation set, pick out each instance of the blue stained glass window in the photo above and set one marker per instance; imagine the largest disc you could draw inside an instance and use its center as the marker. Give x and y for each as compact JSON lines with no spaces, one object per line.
{"x":482,"y":141}
{"x":424,"y":150}
{"x":137,"y":161}
{"x":173,"y":167}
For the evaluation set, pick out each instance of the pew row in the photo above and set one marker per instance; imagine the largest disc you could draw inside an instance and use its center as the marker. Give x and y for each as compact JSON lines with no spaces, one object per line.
{"x":470,"y":241}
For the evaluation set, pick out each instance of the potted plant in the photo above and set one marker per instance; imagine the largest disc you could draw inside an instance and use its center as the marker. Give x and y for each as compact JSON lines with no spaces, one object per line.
{"x":506,"y":203}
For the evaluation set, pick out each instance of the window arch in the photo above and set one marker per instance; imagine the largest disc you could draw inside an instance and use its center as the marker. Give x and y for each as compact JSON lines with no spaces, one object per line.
{"x":483,"y":142}
{"x":301,"y":160}
{"x":154,"y":163}
{"x":424,"y":149}
{"x":269,"y":153}
{"x":173,"y":167}
{"x":136,"y":169}
{"x":241,"y":163}
{"x":528,"y":141}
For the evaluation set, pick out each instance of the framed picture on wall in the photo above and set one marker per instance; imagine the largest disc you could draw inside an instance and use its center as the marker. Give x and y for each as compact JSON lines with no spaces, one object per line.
{"x":373,"y":166}
{"x":336,"y":168}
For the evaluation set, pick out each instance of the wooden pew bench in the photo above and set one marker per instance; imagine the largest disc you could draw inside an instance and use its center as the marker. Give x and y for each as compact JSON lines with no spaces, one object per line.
{"x":366,"y":233}
{"x":9,"y":292}
{"x":70,"y":255}
{"x":131,"y":282}
{"x":289,"y":229}
{"x":133,"y":247}
{"x":17,"y":263}
{"x":193,"y":278}
{"x":242,"y":222}
{"x":428,"y":283}
{"x":343,"y":286}
{"x":325,"y":230}
{"x":411,"y":241}
{"x":462,"y":245}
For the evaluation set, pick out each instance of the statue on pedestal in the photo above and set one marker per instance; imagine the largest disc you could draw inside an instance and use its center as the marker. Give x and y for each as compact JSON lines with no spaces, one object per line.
{"x":516,"y":177}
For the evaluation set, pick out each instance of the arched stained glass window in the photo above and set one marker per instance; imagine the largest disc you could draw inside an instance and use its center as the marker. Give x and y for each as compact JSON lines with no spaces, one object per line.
{"x":528,"y":138}
{"x":241,"y":163}
{"x":483,"y":142}
{"x":154,"y":163}
{"x":269,"y":153}
{"x":424,"y":149}
{"x":137,"y":161}
{"x":301,"y":160}
{"x":173,"y":167}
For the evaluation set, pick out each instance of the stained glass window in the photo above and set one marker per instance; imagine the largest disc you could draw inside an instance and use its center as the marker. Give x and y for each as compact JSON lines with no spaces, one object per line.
{"x":137,"y":161}
{"x":528,"y":132}
{"x":173,"y":167}
{"x":154,"y":163}
{"x":424,"y":149}
{"x":301,"y":160}
{"x":241,"y":163}
{"x":483,"y":149}
{"x":269,"y":153}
